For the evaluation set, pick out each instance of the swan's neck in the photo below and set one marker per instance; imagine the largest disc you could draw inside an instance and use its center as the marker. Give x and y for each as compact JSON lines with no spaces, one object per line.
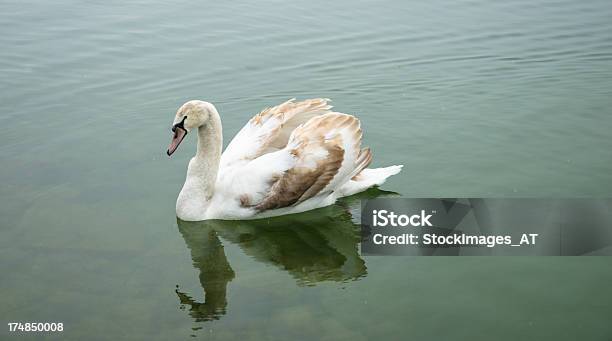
{"x":206,"y":161}
{"x":199,"y":185}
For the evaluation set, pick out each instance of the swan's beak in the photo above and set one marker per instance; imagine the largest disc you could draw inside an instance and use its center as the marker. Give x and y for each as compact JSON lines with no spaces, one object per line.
{"x":179,"y":135}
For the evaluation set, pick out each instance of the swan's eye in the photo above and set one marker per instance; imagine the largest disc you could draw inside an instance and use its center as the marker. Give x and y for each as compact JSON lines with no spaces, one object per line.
{"x":181,"y":124}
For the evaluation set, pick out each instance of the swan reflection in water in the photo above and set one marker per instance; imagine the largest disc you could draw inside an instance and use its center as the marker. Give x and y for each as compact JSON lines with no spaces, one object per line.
{"x":315,"y":246}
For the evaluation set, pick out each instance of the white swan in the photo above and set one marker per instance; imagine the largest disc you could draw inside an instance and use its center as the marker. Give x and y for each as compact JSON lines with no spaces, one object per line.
{"x":290,"y":158}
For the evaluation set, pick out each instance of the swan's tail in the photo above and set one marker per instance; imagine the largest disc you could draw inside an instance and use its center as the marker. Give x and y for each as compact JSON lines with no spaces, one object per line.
{"x":367,"y":178}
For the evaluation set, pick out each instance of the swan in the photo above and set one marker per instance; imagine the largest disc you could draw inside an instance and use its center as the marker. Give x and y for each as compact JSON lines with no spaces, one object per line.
{"x":291,"y":158}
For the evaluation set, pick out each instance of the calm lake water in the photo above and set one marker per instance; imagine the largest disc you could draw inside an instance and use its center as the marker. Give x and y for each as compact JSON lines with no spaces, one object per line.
{"x":476,"y":98}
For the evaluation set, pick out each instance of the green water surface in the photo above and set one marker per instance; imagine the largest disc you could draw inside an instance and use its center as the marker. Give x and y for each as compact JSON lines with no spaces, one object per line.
{"x":476,"y":98}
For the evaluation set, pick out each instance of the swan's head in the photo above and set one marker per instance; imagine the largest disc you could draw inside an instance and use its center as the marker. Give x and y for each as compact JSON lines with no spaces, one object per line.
{"x":190,"y":115}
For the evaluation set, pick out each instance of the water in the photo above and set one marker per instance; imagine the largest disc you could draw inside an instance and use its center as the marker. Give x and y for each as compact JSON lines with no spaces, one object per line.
{"x":476,"y":98}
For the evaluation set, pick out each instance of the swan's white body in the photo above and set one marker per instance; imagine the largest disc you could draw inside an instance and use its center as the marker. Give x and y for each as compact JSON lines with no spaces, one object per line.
{"x":291,"y":158}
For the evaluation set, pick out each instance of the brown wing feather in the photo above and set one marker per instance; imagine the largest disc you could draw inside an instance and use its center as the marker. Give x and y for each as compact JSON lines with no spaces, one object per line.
{"x":269,"y":130}
{"x":291,"y":114}
{"x":300,"y":183}
{"x":318,"y":149}
{"x":363,"y":161}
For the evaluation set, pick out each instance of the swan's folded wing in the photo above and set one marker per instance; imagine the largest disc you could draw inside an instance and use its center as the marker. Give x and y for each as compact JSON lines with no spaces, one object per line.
{"x":269,"y":130}
{"x":324,"y":152}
